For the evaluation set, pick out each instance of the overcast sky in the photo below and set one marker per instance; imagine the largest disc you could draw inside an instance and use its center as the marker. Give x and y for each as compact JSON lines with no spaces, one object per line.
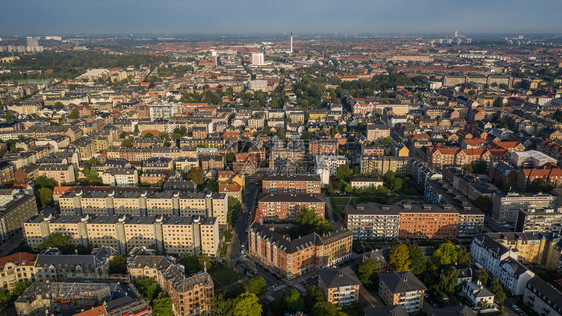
{"x":65,"y":17}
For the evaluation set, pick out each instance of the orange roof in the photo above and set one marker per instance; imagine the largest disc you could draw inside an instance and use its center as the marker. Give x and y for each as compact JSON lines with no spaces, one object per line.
{"x":95,"y":311}
{"x":475,"y":151}
{"x":19,"y":258}
{"x":444,"y":150}
{"x":229,"y":187}
{"x":506,"y":145}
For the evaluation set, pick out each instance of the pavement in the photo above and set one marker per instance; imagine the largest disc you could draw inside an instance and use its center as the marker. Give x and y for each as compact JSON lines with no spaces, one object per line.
{"x":240,"y":235}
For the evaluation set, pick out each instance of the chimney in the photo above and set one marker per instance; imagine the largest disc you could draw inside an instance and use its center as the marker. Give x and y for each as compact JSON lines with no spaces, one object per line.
{"x":405,"y":277}
{"x":291,"y":51}
{"x":340,"y":273}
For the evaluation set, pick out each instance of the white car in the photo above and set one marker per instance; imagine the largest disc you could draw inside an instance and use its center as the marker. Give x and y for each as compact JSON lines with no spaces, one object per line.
{"x":515,"y":308}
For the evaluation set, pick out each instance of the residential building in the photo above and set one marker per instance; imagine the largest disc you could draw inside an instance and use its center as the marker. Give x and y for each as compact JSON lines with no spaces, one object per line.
{"x":296,"y":184}
{"x":366,"y":183}
{"x":284,"y":207}
{"x":120,"y":177}
{"x":372,"y":221}
{"x":501,"y":262}
{"x":170,"y":234}
{"x":384,"y":164}
{"x":125,"y":201}
{"x":62,"y":174}
{"x":506,"y":206}
{"x":17,"y":267}
{"x":539,"y":220}
{"x":12,"y":218}
{"x":429,"y":221}
{"x":477,"y":294}
{"x":542,"y":298}
{"x":190,"y":295}
{"x":377,"y":131}
{"x":402,"y":288}
{"x":52,"y":265}
{"x":340,"y":286}
{"x":292,"y":257}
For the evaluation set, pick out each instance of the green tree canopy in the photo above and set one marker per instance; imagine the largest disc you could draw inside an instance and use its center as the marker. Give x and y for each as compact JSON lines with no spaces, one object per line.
{"x":313,"y":295}
{"x":448,"y":280}
{"x":367,"y":272}
{"x":417,"y":258}
{"x":446,"y":254}
{"x":162,"y":305}
{"x":399,"y":258}
{"x":497,"y":289}
{"x":325,"y":309}
{"x":294,"y":301}
{"x":256,"y":285}
{"x":57,"y":240}
{"x":246,"y":304}
{"x":463,"y":260}
{"x":45,"y":196}
{"x":190,"y":263}
{"x":343,"y":172}
{"x":19,"y":288}
{"x":127,"y":143}
{"x":118,"y":265}
{"x":195,"y":174}
{"x":44,"y":182}
{"x":148,"y":288}
{"x":74,"y":114}
{"x":481,"y":275}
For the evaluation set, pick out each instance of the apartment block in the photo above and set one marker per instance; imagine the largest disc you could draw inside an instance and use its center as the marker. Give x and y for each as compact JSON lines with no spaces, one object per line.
{"x":17,"y":267}
{"x":284,"y":207}
{"x":371,"y":221}
{"x":539,"y":220}
{"x":384,"y":164}
{"x":13,"y":216}
{"x":62,"y":174}
{"x":377,"y":131}
{"x":171,"y":234}
{"x":190,"y":295}
{"x":294,"y":257}
{"x":500,"y":262}
{"x":143,"y":202}
{"x":506,"y":206}
{"x":542,"y":297}
{"x":340,"y":286}
{"x":296,"y":184}
{"x":429,"y":221}
{"x":402,"y":288}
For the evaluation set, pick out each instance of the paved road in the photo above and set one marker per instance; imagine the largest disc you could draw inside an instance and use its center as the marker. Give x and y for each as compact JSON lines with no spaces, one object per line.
{"x":329,"y":209}
{"x":508,"y":309}
{"x":370,"y":299}
{"x":239,"y":232}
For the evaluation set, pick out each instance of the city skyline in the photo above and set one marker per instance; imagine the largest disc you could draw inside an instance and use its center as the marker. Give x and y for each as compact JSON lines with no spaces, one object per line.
{"x":222,"y":17}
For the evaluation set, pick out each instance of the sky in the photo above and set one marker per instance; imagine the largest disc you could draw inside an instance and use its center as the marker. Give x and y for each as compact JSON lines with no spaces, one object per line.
{"x":176,"y":17}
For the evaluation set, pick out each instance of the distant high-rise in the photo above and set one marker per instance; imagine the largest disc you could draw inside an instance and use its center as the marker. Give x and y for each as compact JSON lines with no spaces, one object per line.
{"x":456,"y":34}
{"x":32,"y":41}
{"x":291,"y":51}
{"x":257,"y":59}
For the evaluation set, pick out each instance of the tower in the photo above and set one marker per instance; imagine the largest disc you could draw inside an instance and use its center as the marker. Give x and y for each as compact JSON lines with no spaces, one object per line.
{"x":291,"y":51}
{"x":456,"y":34}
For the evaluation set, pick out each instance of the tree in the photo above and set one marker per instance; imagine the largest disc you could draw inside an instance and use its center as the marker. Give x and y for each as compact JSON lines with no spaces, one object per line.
{"x":448,"y":280}
{"x":399,"y":258}
{"x":343,"y":172}
{"x":190,"y":263}
{"x":44,"y":182}
{"x":446,"y":254}
{"x":127,"y":143}
{"x":246,"y":304}
{"x":57,"y":240}
{"x":93,"y":162}
{"x":483,"y":202}
{"x":9,"y":116}
{"x":463,"y":258}
{"x":195,"y":174}
{"x":74,"y":114}
{"x":417,"y":258}
{"x":45,"y":196}
{"x":118,"y":264}
{"x":19,"y":288}
{"x":367,"y":271}
{"x":498,"y":102}
{"x":59,"y":105}
{"x":313,"y":295}
{"x":294,"y":301}
{"x":539,"y":185}
{"x":256,"y":285}
{"x":325,"y":309}
{"x":4,"y":298}
{"x":385,"y":141}
{"x":162,"y":305}
{"x":148,"y":288}
{"x":148,"y":135}
{"x":482,"y":275}
{"x":497,"y":289}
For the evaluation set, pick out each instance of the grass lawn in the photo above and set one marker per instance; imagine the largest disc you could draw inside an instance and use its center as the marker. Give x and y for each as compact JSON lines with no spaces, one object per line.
{"x":223,"y":274}
{"x":340,"y":200}
{"x":338,"y":205}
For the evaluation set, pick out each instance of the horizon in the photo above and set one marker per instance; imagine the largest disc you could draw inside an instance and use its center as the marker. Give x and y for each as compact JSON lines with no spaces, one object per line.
{"x":175,"y":17}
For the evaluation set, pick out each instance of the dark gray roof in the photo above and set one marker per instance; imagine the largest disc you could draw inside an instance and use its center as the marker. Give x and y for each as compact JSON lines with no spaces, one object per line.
{"x":453,"y":311}
{"x":402,"y":282}
{"x":338,"y":277}
{"x":394,"y":310}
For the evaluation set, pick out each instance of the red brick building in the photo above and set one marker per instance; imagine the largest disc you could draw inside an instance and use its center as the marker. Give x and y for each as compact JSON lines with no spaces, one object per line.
{"x":429,"y":222}
{"x":294,"y":257}
{"x":284,"y":207}
{"x":292,"y":184}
